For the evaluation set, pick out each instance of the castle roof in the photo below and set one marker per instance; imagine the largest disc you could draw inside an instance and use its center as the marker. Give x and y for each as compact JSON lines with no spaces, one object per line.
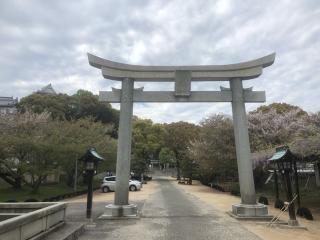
{"x":48,"y":89}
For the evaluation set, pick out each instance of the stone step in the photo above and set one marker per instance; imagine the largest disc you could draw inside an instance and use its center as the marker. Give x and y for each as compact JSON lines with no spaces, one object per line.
{"x":68,"y":231}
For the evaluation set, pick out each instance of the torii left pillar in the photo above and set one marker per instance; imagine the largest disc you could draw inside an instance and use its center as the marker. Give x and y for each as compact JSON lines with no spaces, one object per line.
{"x":121,"y":206}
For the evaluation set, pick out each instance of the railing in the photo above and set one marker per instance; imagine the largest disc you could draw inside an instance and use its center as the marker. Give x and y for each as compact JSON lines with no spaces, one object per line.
{"x":28,"y":220}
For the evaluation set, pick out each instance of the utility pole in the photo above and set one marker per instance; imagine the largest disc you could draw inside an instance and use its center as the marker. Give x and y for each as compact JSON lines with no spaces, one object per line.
{"x":75,"y":176}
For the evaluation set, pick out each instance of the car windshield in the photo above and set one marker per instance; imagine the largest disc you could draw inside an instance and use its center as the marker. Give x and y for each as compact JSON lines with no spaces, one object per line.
{"x":110,"y":178}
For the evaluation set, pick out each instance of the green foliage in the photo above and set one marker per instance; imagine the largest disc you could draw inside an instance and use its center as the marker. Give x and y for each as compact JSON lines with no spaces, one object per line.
{"x":38,"y":141}
{"x":280,"y":108}
{"x":147,"y":141}
{"x":85,"y":104}
{"x":178,"y":138}
{"x":56,"y":105}
{"x":73,"y":138}
{"x":307,"y":145}
{"x":214,"y":150}
{"x":235,"y":189}
{"x":260,"y":175}
{"x":35,"y":146}
{"x":22,"y":140}
{"x":45,"y":191}
{"x":52,"y":131}
{"x":167,"y":156}
{"x":80,"y":105}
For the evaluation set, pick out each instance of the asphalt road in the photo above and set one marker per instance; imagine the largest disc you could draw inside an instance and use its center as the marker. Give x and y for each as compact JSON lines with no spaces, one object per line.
{"x":170,"y":213}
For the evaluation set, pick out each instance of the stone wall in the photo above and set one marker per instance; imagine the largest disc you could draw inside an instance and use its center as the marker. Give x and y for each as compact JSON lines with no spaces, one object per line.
{"x":21,"y":221}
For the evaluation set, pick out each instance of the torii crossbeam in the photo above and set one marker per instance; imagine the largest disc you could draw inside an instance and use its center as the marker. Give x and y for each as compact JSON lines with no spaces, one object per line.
{"x":182,"y":76}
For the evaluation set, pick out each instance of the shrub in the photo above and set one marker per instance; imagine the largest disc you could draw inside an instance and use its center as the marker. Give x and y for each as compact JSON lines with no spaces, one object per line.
{"x":218,"y":187}
{"x":278,"y":204}
{"x":305,"y":212}
{"x":31,"y":200}
{"x":235,"y":189}
{"x":52,"y":199}
{"x":259,"y":175}
{"x":263,"y":200}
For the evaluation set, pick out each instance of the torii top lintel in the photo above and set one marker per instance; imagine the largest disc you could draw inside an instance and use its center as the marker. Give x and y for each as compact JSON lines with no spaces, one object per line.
{"x":244,"y":70}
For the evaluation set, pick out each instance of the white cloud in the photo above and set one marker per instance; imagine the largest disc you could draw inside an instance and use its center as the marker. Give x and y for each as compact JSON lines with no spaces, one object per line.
{"x":222,"y":7}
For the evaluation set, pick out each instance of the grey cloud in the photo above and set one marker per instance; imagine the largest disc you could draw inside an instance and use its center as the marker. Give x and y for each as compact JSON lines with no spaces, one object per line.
{"x":47,"y":41}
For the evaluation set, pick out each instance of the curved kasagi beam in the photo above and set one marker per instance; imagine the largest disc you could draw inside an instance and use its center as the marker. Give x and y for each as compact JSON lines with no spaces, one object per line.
{"x":118,"y":71}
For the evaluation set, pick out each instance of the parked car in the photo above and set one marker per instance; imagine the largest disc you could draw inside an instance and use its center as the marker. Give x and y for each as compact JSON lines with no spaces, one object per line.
{"x":145,"y":177}
{"x":109,"y":184}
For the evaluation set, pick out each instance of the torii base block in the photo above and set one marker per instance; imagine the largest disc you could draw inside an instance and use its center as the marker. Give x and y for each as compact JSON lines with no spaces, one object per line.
{"x":250,"y":212}
{"x":113,"y":211}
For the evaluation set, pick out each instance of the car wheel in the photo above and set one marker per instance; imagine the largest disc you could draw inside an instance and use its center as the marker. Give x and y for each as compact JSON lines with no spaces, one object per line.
{"x":105,"y":189}
{"x":133,"y":188}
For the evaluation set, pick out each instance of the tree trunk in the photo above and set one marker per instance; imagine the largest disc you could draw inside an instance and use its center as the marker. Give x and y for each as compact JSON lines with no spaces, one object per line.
{"x":15,"y":182}
{"x":178,"y":170}
{"x":36,"y":184}
{"x":18,"y":183}
{"x":70,"y":178}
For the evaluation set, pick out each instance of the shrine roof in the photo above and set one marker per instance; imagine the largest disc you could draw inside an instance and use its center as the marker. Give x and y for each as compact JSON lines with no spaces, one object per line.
{"x":282,"y":153}
{"x":278,"y":155}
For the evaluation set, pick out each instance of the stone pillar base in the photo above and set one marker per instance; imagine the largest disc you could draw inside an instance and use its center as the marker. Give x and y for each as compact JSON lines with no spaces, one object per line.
{"x":250,"y":212}
{"x":120,"y":211}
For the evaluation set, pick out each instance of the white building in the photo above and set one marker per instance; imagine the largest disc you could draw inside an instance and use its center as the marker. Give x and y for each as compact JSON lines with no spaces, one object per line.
{"x":8,"y":105}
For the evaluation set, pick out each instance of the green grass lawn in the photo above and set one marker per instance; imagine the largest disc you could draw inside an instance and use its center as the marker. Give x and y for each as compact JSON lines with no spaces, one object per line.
{"x":45,"y":191}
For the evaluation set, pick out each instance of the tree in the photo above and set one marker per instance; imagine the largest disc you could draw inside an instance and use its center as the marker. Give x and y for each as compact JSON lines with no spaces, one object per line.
{"x":166,"y":157}
{"x":20,"y":134}
{"x":35,"y":146}
{"x":270,"y":127}
{"x":42,"y":162}
{"x":307,"y":147}
{"x":178,"y":138}
{"x":8,"y":169}
{"x":283,"y":124}
{"x":63,"y":107}
{"x":55,"y":104}
{"x":85,"y":104}
{"x":214,"y":149}
{"x":73,"y":138}
{"x":280,"y":108}
{"x":147,"y":141}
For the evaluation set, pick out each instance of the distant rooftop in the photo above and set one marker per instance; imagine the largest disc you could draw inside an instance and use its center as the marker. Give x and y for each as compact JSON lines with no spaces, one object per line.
{"x":47,"y":90}
{"x":8,"y":101}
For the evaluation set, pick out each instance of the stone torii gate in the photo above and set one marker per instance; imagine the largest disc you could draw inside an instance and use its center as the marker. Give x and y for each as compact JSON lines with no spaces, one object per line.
{"x":182,"y":77}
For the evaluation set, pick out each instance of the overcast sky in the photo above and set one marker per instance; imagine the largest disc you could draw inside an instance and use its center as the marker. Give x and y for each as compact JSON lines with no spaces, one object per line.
{"x":45,"y":42}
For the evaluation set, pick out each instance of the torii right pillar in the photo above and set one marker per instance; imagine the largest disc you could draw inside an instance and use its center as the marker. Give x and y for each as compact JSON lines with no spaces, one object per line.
{"x":248,"y":208}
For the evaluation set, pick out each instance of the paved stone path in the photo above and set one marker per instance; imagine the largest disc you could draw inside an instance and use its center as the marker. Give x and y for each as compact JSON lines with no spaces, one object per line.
{"x":170,"y":213}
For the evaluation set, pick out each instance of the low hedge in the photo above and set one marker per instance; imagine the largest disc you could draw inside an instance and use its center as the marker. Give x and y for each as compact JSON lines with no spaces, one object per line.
{"x":235,"y":189}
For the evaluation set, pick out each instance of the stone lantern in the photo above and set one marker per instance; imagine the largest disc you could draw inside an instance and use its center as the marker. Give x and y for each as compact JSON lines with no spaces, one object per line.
{"x":285,"y":161}
{"x":90,"y":161}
